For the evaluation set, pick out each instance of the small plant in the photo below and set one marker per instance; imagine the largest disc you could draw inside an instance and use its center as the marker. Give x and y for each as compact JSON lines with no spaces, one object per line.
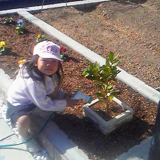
{"x":2,"y":47}
{"x":20,"y":63}
{"x":104,"y":76}
{"x":40,"y":38}
{"x":21,"y":29}
{"x":9,"y":21}
{"x":63,"y":53}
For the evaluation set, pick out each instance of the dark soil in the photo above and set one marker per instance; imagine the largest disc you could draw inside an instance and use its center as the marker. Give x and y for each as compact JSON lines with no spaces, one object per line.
{"x":129,"y":29}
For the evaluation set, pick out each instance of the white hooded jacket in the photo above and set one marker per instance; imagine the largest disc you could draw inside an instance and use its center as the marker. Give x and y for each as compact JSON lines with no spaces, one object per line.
{"x":25,"y":90}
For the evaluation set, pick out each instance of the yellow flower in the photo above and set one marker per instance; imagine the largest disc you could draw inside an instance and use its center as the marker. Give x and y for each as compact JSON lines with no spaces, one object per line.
{"x":38,"y":36}
{"x":2,"y":44}
{"x":21,"y":61}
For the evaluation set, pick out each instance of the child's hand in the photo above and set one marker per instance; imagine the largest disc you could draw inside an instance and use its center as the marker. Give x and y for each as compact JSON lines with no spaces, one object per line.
{"x":71,"y":103}
{"x":68,"y":95}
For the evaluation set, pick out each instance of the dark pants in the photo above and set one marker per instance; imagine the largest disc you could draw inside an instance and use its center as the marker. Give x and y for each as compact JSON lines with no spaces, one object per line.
{"x":14,"y":112}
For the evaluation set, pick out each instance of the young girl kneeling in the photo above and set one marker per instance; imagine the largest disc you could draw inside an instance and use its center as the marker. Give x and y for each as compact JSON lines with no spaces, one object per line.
{"x":36,"y":86}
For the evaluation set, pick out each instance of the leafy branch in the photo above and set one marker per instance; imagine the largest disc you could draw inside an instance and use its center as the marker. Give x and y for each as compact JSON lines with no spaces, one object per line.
{"x":104,"y":76}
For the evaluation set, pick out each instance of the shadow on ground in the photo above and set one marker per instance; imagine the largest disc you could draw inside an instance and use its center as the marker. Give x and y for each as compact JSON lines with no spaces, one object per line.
{"x":131,"y":1}
{"x":89,"y":138}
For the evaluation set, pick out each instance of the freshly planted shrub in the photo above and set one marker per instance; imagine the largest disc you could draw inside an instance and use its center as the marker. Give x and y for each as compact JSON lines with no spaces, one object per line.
{"x":104,"y":76}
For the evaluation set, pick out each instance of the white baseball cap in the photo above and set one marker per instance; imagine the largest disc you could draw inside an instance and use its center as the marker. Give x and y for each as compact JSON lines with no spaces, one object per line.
{"x":47,"y":49}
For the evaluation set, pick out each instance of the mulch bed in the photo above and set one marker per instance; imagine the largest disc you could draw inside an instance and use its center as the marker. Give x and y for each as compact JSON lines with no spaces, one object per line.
{"x":72,"y":121}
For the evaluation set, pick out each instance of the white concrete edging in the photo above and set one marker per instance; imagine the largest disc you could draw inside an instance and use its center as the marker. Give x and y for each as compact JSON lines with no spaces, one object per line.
{"x":107,"y":127}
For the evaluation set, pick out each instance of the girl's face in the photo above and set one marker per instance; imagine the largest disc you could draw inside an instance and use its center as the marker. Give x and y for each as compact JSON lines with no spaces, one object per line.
{"x":47,"y":66}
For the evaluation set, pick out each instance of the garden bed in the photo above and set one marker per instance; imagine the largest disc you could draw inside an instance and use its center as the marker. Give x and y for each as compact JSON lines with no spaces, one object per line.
{"x":130,"y":30}
{"x":72,"y":121}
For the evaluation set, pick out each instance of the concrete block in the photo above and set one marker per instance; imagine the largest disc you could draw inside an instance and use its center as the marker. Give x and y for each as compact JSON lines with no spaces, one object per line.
{"x":108,"y":126}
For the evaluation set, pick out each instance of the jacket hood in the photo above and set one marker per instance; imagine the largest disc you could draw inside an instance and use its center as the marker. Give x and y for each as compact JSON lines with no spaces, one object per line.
{"x":23,"y":73}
